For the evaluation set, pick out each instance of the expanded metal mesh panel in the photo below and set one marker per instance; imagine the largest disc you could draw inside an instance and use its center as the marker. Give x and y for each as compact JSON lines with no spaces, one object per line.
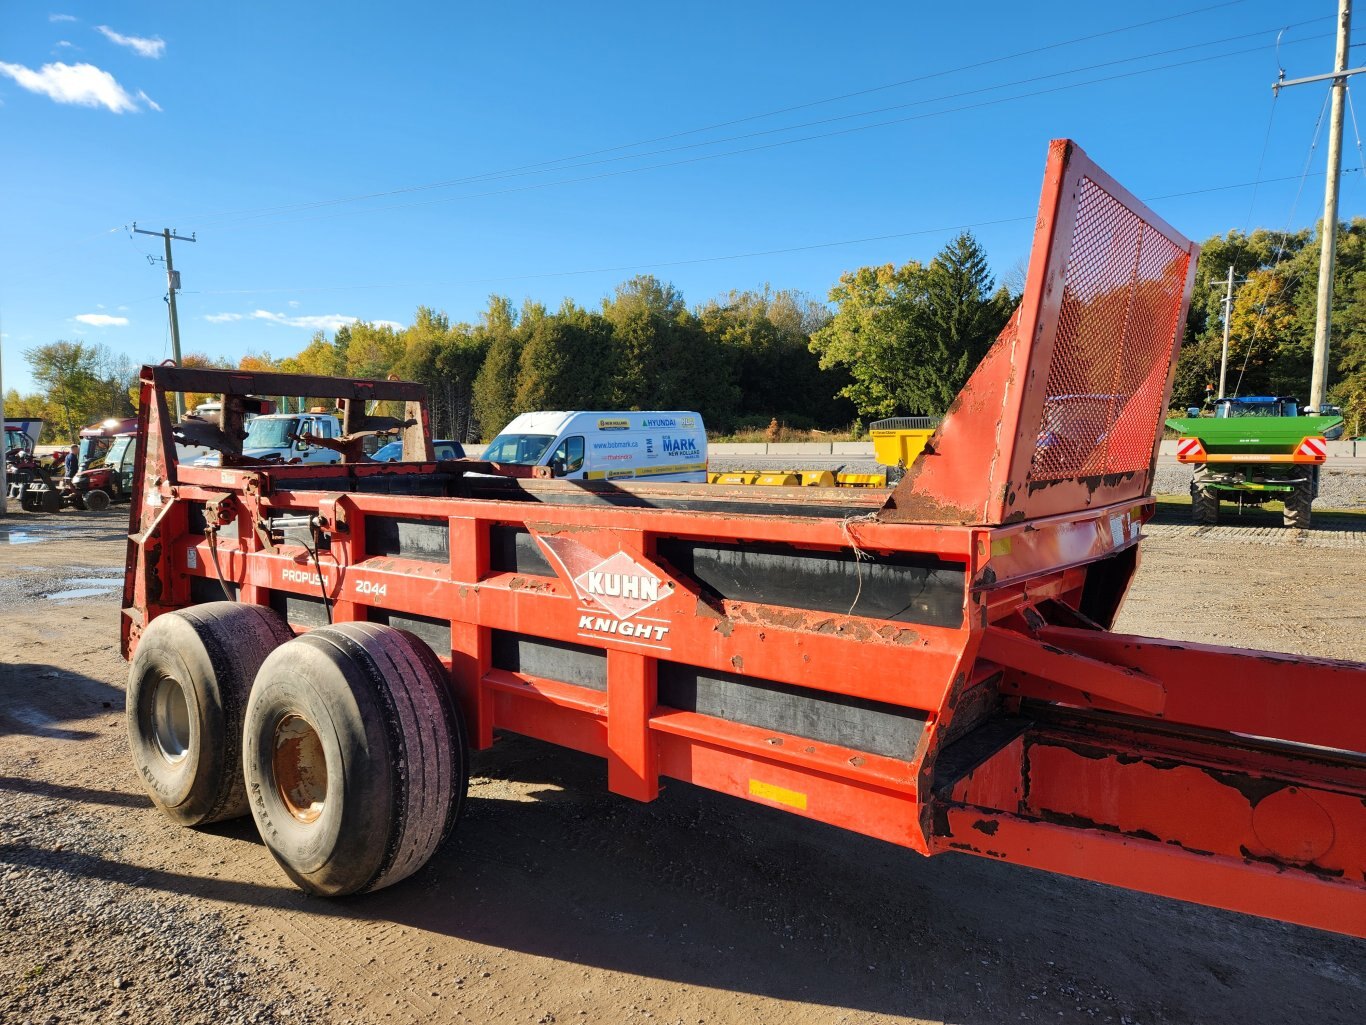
{"x":906,"y":423}
{"x":1122,"y":295}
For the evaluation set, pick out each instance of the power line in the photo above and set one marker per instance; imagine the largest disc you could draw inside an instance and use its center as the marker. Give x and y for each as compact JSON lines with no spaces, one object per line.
{"x":1361,"y":157}
{"x":647,"y":265}
{"x":1280,"y":249}
{"x":1266,"y":142}
{"x":536,"y":169}
{"x":219,"y":218}
{"x":789,"y":142}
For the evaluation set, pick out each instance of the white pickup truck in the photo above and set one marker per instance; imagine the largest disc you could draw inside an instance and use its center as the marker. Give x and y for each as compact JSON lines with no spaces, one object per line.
{"x":275,"y":435}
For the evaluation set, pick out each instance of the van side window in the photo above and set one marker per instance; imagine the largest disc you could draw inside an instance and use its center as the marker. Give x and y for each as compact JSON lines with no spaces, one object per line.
{"x":568,"y":457}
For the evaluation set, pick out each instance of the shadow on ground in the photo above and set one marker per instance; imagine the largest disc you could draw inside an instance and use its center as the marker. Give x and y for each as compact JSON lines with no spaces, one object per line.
{"x":1176,"y":511}
{"x":705,"y":891}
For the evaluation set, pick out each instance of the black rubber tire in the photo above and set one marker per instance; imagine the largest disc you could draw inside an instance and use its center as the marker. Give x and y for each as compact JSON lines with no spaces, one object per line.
{"x":31,"y":501}
{"x":50,"y":501}
{"x":95,"y":500}
{"x":1204,"y":505}
{"x":355,"y":757}
{"x":1298,"y":507}
{"x":187,"y":694}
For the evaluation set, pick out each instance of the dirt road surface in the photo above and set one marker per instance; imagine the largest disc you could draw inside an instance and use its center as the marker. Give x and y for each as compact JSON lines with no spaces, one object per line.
{"x":556,"y":902}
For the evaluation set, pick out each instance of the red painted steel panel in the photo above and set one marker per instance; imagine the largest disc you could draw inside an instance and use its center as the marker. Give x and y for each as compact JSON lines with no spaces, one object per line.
{"x":1035,"y":486}
{"x":861,"y":809}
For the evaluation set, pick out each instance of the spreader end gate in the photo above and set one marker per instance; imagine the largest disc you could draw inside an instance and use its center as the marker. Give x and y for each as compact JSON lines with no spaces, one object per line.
{"x":934,"y":667}
{"x":1064,"y":412}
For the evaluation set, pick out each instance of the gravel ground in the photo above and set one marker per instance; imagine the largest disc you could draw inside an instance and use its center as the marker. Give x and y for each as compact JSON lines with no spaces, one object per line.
{"x":85,"y":941}
{"x":556,"y":901}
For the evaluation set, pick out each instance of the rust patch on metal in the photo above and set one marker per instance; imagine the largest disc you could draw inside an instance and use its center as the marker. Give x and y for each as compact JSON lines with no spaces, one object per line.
{"x":988,"y":826}
{"x":1279,"y":865}
{"x":737,"y":662}
{"x":1254,"y":788}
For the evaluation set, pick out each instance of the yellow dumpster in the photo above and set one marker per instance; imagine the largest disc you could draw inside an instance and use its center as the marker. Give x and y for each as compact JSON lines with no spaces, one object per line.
{"x":900,"y":439}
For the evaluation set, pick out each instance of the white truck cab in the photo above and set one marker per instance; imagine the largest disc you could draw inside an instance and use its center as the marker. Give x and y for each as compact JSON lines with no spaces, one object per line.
{"x":607,"y":445}
{"x":273,"y":435}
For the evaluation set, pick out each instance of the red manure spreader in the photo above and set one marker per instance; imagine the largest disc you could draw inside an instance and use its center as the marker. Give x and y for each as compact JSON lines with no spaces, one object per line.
{"x":323,"y":645}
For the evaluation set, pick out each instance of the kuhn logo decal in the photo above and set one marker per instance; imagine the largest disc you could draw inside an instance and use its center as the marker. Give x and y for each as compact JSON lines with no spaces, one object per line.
{"x":618,"y":585}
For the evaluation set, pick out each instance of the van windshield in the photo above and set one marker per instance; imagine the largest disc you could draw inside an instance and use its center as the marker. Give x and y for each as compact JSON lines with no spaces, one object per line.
{"x":522,"y":449}
{"x":265,"y":432}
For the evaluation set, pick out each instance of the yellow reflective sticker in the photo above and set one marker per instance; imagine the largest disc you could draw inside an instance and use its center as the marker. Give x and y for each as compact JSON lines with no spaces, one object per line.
{"x":770,"y":792}
{"x":1000,"y":546}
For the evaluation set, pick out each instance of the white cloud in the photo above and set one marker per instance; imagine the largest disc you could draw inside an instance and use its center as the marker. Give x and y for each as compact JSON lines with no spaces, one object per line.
{"x":149,"y":101}
{"x":142,"y":46}
{"x":222,"y":318}
{"x":294,"y":304}
{"x":101,"y":320}
{"x":81,"y":84}
{"x":325,"y":322}
{"x":61,"y":17}
{"x":65,"y":43}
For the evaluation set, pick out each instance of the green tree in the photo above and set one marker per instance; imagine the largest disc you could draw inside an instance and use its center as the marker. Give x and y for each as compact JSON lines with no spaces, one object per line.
{"x":446,"y":359}
{"x":645,"y":314}
{"x":1198,"y":367}
{"x":320,"y":358}
{"x":494,"y":396}
{"x":68,"y":373}
{"x":1272,"y":328}
{"x":372,"y":350}
{"x":766,"y":336}
{"x":664,"y":357}
{"x":566,"y":362}
{"x":909,"y":336}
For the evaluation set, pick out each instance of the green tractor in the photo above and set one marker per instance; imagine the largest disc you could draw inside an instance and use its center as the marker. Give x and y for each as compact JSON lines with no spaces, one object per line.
{"x":1255,"y":450}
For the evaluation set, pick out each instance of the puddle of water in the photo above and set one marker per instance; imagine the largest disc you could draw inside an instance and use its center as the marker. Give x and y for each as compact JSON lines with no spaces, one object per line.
{"x":79,"y":592}
{"x":23,"y":537}
{"x":108,"y":580}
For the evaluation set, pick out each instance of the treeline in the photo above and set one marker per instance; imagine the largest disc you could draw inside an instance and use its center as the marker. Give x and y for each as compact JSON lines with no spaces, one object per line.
{"x":1271,"y":332}
{"x":81,"y":383}
{"x":892,"y":341}
{"x":741,"y":360}
{"x":900,"y":341}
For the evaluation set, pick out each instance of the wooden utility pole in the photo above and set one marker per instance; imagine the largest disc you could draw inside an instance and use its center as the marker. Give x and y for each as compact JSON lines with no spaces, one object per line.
{"x":172,"y":286}
{"x":1328,"y":234}
{"x":1228,"y":319}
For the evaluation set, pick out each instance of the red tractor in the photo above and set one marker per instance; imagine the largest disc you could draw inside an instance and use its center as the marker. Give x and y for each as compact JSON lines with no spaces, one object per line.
{"x":105,"y":465}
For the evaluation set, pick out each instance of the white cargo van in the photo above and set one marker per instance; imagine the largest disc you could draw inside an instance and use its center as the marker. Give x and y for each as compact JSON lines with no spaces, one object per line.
{"x":611,"y":445}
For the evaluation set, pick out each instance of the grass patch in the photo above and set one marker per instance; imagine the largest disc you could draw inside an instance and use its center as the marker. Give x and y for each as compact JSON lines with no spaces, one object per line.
{"x":780,"y":435}
{"x":1252,"y":514}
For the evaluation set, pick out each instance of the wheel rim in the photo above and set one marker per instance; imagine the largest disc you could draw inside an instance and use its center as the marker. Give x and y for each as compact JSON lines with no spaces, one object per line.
{"x":171,"y":719}
{"x":300,"y":768}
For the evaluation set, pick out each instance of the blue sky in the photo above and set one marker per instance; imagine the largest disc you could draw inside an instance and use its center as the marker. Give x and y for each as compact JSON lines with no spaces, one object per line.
{"x":260,"y":127}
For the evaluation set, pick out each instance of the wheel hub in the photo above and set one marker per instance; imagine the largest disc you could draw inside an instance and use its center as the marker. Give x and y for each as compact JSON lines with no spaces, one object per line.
{"x":300,"y":768}
{"x":170,"y":719}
